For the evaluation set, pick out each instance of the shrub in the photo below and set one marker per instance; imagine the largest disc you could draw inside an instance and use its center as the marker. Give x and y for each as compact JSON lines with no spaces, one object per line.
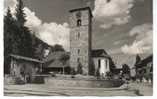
{"x":109,"y":75}
{"x":19,"y":81}
{"x":73,"y":72}
{"x":72,"y":76}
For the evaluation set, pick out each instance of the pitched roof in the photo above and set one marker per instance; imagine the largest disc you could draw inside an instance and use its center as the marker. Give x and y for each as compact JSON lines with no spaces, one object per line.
{"x":25,"y":58}
{"x":56,"y":64}
{"x":54,"y":56}
{"x":99,"y":53}
{"x":53,"y":60}
{"x":145,"y":60}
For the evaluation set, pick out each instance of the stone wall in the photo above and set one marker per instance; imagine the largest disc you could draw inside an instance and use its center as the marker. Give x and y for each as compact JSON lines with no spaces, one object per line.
{"x":82,"y":83}
{"x":80,"y":40}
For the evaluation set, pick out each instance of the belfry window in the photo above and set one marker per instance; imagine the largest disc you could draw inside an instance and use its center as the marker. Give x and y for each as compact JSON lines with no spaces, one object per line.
{"x":79,"y":22}
{"x":78,"y":16}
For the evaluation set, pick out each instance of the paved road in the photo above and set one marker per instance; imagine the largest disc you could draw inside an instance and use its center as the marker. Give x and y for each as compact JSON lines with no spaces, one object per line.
{"x":48,"y":90}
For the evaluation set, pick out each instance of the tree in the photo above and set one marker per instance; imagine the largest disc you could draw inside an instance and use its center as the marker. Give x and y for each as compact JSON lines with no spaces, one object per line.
{"x":39,"y":51}
{"x":10,"y":46}
{"x":38,"y":47}
{"x":79,"y":68}
{"x":8,"y":22}
{"x":17,"y":37}
{"x":20,"y":15}
{"x":23,"y":34}
{"x":64,"y":59}
{"x":138,"y":59}
{"x":109,"y":75}
{"x":126,"y":71}
{"x":10,"y":34}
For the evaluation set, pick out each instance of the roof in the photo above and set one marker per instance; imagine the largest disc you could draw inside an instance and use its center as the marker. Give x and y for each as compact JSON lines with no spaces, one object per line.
{"x":99,"y":53}
{"x":53,"y":60}
{"x":54,"y":56}
{"x":83,"y":8}
{"x":25,"y":58}
{"x":145,"y":60}
{"x":56,"y":64}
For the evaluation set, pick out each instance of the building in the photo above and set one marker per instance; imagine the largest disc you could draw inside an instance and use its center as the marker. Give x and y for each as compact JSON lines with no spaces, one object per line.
{"x":144,"y":68}
{"x":81,"y":53}
{"x":148,"y":61}
{"x":53,"y":63}
{"x":24,"y":68}
{"x":80,"y":39}
{"x":101,"y":61}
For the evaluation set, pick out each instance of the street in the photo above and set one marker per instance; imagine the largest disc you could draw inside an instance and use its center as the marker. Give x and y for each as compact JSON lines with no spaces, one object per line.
{"x":49,"y":90}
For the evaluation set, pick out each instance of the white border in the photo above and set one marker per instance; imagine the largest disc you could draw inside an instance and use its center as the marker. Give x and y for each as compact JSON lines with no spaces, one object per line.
{"x":155,"y":46}
{"x":122,"y":97}
{"x":1,"y":48}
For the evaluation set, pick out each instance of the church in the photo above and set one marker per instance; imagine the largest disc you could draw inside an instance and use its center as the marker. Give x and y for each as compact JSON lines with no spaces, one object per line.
{"x":81,"y":52}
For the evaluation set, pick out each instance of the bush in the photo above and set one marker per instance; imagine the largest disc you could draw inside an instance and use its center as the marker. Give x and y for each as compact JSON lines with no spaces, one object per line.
{"x":19,"y":81}
{"x":79,"y":68}
{"x":73,"y":76}
{"x":109,"y":75}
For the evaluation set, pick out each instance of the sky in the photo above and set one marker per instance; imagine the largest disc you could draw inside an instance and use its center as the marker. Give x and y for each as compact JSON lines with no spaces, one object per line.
{"x":122,"y":27}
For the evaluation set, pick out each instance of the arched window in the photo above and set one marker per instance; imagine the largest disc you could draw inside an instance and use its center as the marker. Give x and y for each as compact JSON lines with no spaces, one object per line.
{"x":79,"y":22}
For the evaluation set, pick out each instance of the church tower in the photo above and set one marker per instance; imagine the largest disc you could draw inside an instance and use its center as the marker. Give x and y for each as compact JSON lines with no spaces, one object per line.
{"x":80,"y":39}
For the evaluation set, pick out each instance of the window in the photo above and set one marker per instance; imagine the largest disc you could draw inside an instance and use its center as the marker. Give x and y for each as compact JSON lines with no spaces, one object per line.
{"x":79,"y":22}
{"x":106,"y":64}
{"x":78,"y":35}
{"x":78,"y":16}
{"x":78,"y":51}
{"x":99,"y":62}
{"x":78,"y":60}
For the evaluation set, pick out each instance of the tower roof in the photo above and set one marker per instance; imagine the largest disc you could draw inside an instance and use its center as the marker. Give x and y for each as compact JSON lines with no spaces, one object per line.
{"x":79,"y":9}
